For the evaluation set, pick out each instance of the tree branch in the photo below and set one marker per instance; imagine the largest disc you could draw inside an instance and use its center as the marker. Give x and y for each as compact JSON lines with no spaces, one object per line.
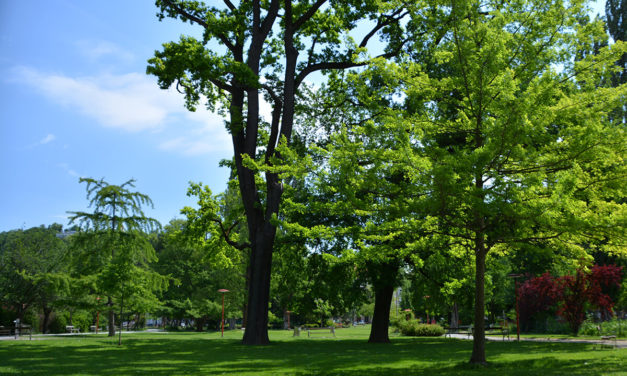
{"x":201,"y":22}
{"x":226,"y":237}
{"x":230,"y":5}
{"x":308,"y":14}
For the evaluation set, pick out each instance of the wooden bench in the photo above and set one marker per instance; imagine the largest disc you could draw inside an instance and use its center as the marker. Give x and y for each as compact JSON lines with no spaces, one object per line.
{"x":5,"y":331}
{"x":23,"y":329}
{"x":71,"y":329}
{"x":606,"y":338}
{"x":462,"y":329}
{"x":330,"y":328}
{"x":610,"y":338}
{"x":503,"y":330}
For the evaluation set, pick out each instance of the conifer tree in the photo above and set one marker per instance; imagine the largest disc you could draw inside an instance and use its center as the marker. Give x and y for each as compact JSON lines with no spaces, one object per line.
{"x":112,"y":251}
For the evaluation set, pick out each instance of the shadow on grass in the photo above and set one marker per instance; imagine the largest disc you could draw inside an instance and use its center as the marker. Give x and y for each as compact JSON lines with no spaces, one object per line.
{"x":199,"y":354}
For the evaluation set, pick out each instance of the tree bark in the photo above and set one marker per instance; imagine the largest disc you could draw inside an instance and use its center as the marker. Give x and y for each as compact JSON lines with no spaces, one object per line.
{"x":455,"y":316}
{"x":200,"y":323}
{"x":478,"y":343}
{"x":111,"y":317}
{"x":46,"y":322}
{"x":259,"y":290}
{"x":383,"y":277}
{"x":381,"y":317}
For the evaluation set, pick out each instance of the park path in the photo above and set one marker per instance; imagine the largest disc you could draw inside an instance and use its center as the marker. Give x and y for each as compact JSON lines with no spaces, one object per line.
{"x":621,"y":344}
{"x":43,"y":336}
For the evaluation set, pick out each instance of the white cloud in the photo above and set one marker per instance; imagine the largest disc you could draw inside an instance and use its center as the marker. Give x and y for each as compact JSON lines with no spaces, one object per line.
{"x":49,"y":138}
{"x":46,"y":140}
{"x":96,"y":50}
{"x":210,"y":137}
{"x":133,"y":102}
{"x":68,"y":170}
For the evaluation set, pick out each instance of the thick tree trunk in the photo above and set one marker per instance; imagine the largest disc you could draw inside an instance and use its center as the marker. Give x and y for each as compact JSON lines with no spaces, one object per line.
{"x":44,"y":325}
{"x":200,"y":323}
{"x":383,"y":277}
{"x":478,"y":345}
{"x":455,"y":316}
{"x":381,"y":317}
{"x":111,"y":317}
{"x":256,"y":332}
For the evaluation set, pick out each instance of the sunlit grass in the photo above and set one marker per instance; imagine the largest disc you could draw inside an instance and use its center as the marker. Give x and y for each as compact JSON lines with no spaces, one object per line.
{"x":347,"y":354}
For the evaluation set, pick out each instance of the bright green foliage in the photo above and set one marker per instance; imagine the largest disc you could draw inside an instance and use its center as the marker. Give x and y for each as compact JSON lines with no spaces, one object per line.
{"x":503,"y":143}
{"x":215,"y":237}
{"x":217,"y":224}
{"x":414,"y":328}
{"x":33,"y":271}
{"x":266,"y":48}
{"x":112,"y":253}
{"x":198,"y":268}
{"x":513,"y":149}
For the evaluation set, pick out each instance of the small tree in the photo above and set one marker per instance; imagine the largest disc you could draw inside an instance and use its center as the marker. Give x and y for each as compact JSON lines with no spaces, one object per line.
{"x":537,"y":295}
{"x":572,"y":294}
{"x":112,"y":251}
{"x":587,"y":290}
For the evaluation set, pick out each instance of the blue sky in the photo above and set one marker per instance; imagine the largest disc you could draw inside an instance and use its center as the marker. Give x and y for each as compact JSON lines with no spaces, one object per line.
{"x":75,"y":101}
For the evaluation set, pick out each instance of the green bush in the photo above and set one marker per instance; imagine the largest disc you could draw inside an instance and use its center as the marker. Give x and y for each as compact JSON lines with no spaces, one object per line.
{"x":414,"y":328}
{"x":274,"y":322}
{"x":396,"y":322}
{"x":614,"y":327}
{"x":57,"y":324}
{"x":80,"y":319}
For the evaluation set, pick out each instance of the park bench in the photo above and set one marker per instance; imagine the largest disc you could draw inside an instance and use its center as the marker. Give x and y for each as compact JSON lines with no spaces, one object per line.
{"x":71,"y":329}
{"x":21,"y":330}
{"x":330,"y":328}
{"x":606,"y":338}
{"x":5,"y":331}
{"x":502,"y":330}
{"x":462,"y":329}
{"x":610,"y":338}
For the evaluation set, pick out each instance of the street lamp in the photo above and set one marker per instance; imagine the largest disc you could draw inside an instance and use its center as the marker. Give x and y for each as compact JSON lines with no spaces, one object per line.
{"x":223,"y":291}
{"x":515,"y":277}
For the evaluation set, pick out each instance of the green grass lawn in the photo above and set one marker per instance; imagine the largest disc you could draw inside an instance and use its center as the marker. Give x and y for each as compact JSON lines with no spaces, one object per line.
{"x":347,"y":354}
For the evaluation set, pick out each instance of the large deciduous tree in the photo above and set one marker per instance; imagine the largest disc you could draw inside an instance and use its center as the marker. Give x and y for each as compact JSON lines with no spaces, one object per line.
{"x":112,"y":249}
{"x":258,"y":47}
{"x":515,"y":149}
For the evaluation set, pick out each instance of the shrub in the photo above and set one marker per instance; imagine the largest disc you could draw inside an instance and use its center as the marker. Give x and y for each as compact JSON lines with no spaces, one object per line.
{"x":397,"y":322}
{"x":414,"y":328}
{"x":274,"y":322}
{"x":614,"y":327}
{"x":57,"y":324}
{"x":80,"y":319}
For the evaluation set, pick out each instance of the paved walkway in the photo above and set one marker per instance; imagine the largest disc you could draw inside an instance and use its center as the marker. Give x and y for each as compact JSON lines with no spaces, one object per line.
{"x":621,"y":344}
{"x":101,"y":332}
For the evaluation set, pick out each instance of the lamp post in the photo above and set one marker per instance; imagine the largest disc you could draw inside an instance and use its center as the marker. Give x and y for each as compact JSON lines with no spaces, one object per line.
{"x":515,"y":277}
{"x":223,"y":291}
